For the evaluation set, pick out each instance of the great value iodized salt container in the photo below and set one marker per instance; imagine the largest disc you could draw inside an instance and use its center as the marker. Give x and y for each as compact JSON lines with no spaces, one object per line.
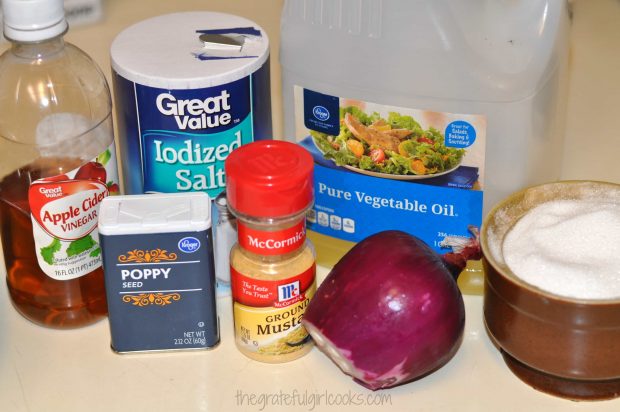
{"x":189,"y":88}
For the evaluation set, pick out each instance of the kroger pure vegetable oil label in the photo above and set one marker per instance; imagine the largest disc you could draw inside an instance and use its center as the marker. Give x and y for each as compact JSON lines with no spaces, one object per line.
{"x":268,"y":313}
{"x":380,"y":167}
{"x":64,"y":211}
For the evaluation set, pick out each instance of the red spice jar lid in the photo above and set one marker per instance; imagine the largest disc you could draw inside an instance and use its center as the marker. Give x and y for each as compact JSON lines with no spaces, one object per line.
{"x":269,"y":178}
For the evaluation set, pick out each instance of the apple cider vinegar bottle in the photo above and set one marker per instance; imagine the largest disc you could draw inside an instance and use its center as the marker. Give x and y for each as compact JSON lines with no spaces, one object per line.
{"x":57,"y":163}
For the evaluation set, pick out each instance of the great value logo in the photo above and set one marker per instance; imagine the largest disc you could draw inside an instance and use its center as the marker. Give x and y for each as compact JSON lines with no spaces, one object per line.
{"x":196,"y":114}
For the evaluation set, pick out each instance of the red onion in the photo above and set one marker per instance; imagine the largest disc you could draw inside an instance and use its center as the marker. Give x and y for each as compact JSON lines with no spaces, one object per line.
{"x":388,"y":312}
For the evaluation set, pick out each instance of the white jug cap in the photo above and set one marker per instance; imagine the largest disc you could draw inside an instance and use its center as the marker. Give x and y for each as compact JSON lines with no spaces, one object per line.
{"x":33,"y":20}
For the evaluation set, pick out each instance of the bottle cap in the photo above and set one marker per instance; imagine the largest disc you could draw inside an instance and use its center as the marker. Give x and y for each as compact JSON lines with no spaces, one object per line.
{"x":269,"y":179}
{"x":33,"y":20}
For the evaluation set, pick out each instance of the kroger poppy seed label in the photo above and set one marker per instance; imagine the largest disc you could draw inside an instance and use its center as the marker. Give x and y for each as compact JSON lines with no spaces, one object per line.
{"x":189,"y":89}
{"x":159,"y":271}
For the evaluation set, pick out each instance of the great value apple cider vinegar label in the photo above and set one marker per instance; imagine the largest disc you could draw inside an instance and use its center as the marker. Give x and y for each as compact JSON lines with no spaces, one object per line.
{"x":64,"y":211}
{"x":268,"y":313}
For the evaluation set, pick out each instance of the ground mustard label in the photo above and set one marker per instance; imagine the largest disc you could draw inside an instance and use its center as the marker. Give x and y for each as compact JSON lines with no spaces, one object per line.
{"x":268,"y":313}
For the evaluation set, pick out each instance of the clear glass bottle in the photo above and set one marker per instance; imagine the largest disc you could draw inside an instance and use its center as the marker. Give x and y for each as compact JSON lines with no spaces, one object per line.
{"x":269,"y":188}
{"x":57,"y":162}
{"x":225,"y":238}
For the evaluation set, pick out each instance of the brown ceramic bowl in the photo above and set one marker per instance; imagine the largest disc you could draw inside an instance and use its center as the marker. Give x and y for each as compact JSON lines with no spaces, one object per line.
{"x":563,"y":346}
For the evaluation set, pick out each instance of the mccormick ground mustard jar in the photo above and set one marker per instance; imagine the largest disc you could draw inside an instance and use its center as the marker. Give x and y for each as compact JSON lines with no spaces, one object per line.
{"x":189,"y":89}
{"x":421,"y":114}
{"x":272,"y":266}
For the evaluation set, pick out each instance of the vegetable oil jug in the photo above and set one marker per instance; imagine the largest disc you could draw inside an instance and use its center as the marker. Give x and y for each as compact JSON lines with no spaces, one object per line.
{"x":421,"y":114}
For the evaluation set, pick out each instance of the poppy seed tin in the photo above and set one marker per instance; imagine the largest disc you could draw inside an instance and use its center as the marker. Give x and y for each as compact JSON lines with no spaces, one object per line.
{"x":159,"y":271}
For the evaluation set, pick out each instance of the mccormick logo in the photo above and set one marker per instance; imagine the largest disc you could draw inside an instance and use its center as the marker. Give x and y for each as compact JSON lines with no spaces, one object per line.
{"x":320,"y":113}
{"x":189,"y":244}
{"x":288,"y":291}
{"x":196,"y":114}
{"x":274,"y":244}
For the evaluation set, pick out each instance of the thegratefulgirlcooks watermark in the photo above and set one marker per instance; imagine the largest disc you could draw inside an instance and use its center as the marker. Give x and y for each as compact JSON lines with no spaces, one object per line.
{"x":310,"y":400}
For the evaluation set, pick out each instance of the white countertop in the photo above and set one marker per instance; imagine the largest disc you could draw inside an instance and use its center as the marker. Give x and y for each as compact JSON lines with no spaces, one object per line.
{"x":50,"y":370}
{"x":75,"y":370}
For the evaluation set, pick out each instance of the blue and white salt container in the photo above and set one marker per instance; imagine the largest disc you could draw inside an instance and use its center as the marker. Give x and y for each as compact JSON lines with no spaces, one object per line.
{"x":189,"y":88}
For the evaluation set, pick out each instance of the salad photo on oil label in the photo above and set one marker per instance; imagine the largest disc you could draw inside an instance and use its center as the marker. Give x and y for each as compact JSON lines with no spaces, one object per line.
{"x":392,"y":142}
{"x":395,"y":147}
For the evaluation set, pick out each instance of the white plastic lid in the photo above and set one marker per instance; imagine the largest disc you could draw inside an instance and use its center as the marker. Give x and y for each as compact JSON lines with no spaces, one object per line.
{"x":33,"y":20}
{"x":155,"y":213}
{"x":168,"y":52}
